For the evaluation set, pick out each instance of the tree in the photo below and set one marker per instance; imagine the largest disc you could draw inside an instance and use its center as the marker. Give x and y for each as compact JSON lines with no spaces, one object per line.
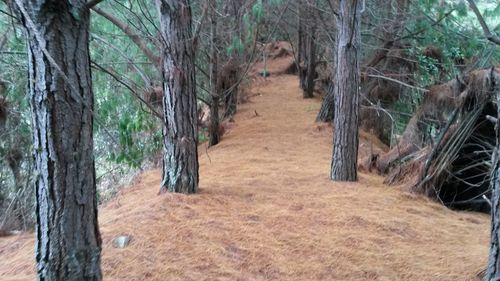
{"x":214,"y":131}
{"x":493,"y":269}
{"x":346,"y":91}
{"x":60,"y":86}
{"x":180,"y":160}
{"x":307,"y":47}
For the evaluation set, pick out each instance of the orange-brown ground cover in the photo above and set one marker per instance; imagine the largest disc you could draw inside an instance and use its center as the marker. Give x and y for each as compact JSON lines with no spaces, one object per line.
{"x":267,"y":211}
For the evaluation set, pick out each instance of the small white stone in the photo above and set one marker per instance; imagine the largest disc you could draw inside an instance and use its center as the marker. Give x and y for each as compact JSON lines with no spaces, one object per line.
{"x":121,"y":241}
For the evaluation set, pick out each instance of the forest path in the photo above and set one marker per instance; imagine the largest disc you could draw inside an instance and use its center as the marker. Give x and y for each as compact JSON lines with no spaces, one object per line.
{"x":266,"y":210}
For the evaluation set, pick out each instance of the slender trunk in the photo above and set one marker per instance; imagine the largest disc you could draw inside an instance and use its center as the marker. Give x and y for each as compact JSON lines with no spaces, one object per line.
{"x":180,"y":160}
{"x":68,"y":240}
{"x":231,"y":102}
{"x":214,"y":132}
{"x":311,"y":56}
{"x":300,"y":44}
{"x":493,"y":269}
{"x":230,"y":89}
{"x":346,"y":90}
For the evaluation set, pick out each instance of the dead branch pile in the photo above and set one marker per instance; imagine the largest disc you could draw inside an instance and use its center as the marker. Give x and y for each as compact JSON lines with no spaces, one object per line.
{"x":454,"y":166}
{"x":279,"y":49}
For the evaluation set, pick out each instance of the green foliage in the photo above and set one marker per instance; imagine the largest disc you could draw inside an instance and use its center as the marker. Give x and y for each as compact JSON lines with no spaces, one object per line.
{"x":428,"y":70}
{"x":461,"y":8}
{"x":125,"y":132}
{"x":258,"y":11}
{"x":492,"y":13}
{"x":134,"y":140}
{"x":275,"y":2}
{"x":202,"y":135}
{"x":236,"y":47}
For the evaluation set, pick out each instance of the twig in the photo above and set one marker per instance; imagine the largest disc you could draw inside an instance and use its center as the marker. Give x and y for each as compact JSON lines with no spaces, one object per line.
{"x":492,"y":119}
{"x":487,"y":200}
{"x":397,"y":81}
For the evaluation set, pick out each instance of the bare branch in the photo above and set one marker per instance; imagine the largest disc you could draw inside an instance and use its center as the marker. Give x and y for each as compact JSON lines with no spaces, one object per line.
{"x":490,"y":36}
{"x":115,"y":76}
{"x":492,"y":119}
{"x":92,"y":3}
{"x":132,"y":35}
{"x":397,"y":81}
{"x":197,"y":29}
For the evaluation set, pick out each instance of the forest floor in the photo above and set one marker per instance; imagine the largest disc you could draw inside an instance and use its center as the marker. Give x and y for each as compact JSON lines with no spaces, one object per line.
{"x":267,"y":210}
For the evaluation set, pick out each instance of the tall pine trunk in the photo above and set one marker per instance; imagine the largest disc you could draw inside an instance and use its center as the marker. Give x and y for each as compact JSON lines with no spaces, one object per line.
{"x":214,"y":131}
{"x":180,"y":160}
{"x":68,"y":243}
{"x":346,"y":92}
{"x":493,"y":269}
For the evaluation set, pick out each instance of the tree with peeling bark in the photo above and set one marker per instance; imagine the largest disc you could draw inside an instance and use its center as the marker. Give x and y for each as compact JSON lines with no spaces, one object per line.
{"x":180,"y":159}
{"x":346,"y":92}
{"x":68,"y":245}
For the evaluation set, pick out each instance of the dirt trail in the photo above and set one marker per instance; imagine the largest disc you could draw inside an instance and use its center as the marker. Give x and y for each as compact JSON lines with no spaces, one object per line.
{"x":267,"y":211}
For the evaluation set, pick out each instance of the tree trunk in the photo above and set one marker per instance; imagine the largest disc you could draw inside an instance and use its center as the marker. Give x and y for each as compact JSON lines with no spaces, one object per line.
{"x":346,"y":91}
{"x":68,"y":240}
{"x":180,"y":160}
{"x":231,"y":99}
{"x":301,"y":44}
{"x":327,"y":110}
{"x":310,"y":53}
{"x":214,"y":132}
{"x":493,"y":269}
{"x":229,"y":85}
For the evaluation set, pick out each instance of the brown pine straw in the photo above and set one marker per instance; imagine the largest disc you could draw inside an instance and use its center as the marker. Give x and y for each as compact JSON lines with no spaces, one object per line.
{"x":267,"y":211}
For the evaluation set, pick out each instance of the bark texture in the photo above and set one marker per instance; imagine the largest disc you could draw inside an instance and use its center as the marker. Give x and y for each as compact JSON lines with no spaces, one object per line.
{"x":307,"y":48}
{"x":327,"y":110}
{"x":214,"y":132}
{"x":68,"y":243}
{"x":310,"y":51}
{"x":180,"y":160}
{"x":346,"y":91}
{"x":231,"y":70}
{"x":493,"y":269}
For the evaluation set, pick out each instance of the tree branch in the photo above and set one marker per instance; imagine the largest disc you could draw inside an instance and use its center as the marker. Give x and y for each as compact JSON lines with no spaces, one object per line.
{"x":92,"y":3}
{"x":115,"y":76}
{"x":132,"y":35}
{"x":490,"y":36}
{"x":397,"y":81}
{"x":197,"y":29}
